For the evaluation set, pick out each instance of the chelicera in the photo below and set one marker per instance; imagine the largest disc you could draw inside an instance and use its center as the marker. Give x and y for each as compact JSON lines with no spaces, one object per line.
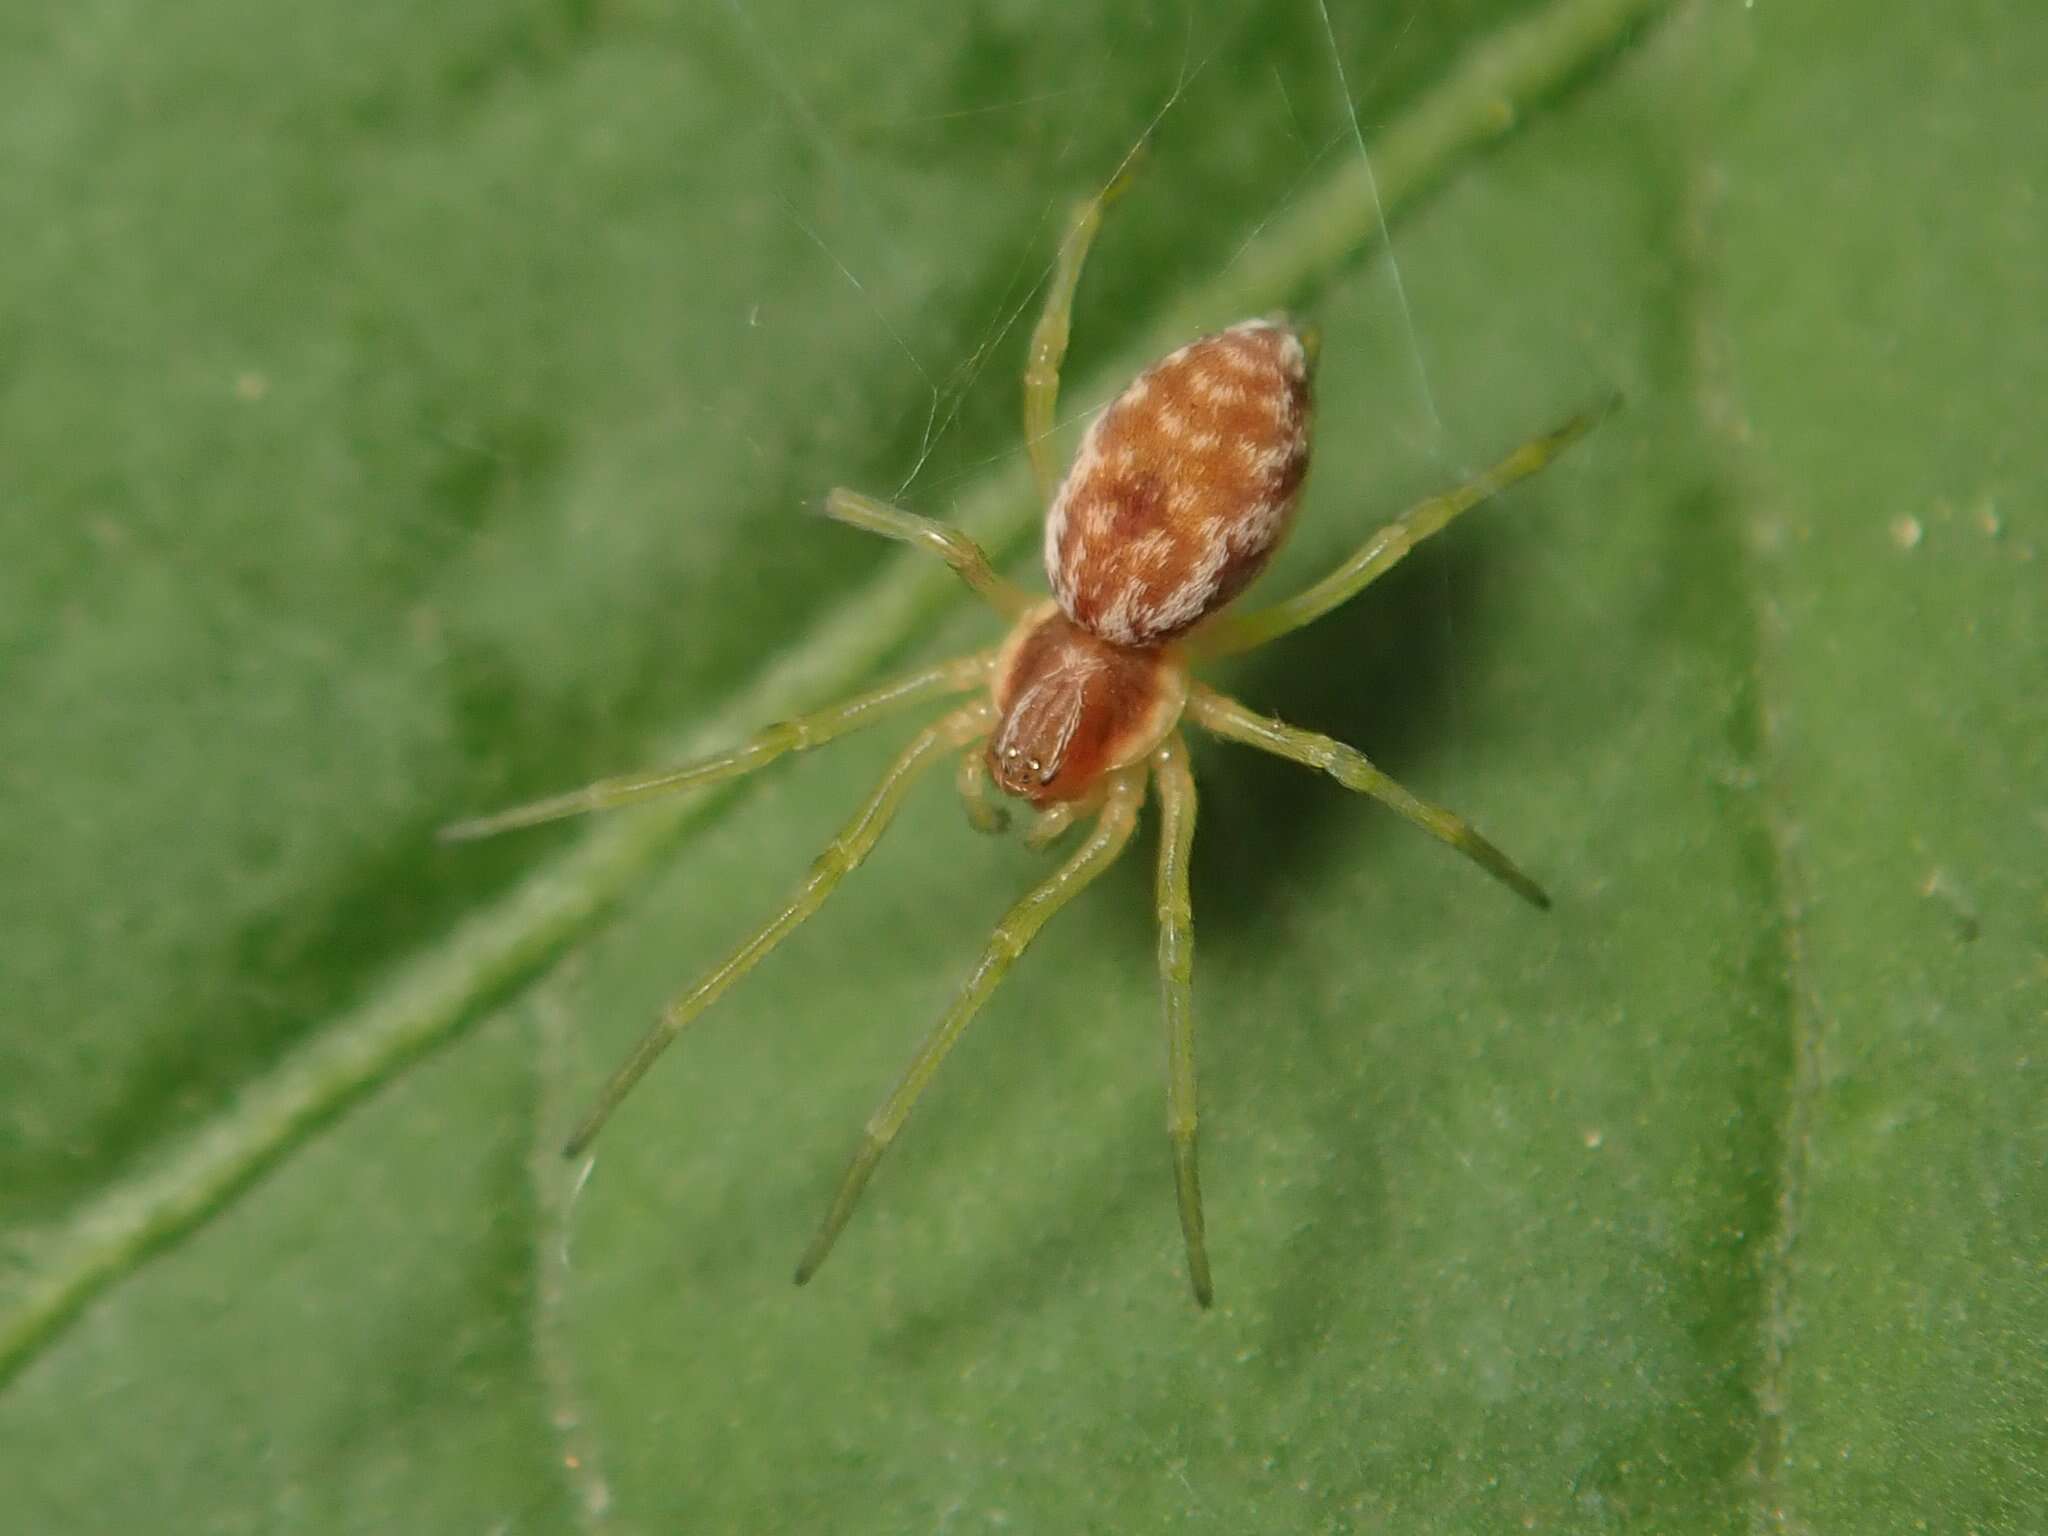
{"x":1183,"y":487}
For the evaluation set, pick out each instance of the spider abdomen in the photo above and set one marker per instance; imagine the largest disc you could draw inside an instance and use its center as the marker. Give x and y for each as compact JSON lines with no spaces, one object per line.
{"x":1184,"y":485}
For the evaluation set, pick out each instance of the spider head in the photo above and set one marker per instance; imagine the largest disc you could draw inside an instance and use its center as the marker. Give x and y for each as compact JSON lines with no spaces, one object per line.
{"x":1074,"y":707}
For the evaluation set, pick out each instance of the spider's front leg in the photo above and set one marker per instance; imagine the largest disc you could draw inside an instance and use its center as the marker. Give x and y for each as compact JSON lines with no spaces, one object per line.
{"x":1113,"y":828}
{"x":843,"y":855}
{"x":1176,"y":993}
{"x":800,"y":733}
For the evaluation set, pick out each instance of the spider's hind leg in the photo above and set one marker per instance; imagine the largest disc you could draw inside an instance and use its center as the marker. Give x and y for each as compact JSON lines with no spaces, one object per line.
{"x":969,"y":560}
{"x":1055,"y":324}
{"x":1386,"y":548}
{"x":1013,"y":934}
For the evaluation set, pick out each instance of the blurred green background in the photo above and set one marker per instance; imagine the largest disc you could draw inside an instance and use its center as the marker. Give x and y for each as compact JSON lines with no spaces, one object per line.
{"x":412,"y":409}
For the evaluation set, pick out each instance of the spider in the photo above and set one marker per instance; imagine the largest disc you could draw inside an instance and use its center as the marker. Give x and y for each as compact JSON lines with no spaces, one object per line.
{"x":1183,"y":487}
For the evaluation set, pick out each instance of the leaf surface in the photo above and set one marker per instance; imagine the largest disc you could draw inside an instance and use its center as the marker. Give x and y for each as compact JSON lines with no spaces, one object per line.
{"x":415,"y":410}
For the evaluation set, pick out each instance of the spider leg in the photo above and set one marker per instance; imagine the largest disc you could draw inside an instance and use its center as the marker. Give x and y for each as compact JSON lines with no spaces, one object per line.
{"x":1055,"y":324}
{"x":841,"y":857}
{"x":798,"y":734}
{"x":1384,"y":550}
{"x":984,"y":814}
{"x":1017,"y":929}
{"x":968,"y":559}
{"x":1048,"y":826}
{"x":1351,"y":768}
{"x":1176,"y":991}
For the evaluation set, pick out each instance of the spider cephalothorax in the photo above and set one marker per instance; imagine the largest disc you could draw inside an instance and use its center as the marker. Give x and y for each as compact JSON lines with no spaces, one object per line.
{"x":1183,"y":487}
{"x":1072,"y":707}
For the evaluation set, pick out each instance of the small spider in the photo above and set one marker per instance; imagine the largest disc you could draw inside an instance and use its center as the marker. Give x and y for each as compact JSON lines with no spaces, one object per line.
{"x":1183,"y":488}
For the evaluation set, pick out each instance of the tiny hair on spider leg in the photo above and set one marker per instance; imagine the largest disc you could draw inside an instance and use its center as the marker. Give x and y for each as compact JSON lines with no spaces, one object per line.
{"x":1183,"y":486}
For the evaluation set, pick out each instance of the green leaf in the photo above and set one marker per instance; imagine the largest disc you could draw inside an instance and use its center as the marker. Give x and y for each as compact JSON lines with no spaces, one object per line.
{"x":416,"y":409}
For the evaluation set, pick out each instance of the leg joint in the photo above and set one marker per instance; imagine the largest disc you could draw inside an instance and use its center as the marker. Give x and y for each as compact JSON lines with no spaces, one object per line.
{"x":1007,"y":943}
{"x":837,"y":861}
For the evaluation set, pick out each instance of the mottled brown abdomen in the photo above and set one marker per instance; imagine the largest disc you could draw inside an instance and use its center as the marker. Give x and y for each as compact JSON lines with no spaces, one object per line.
{"x":1183,"y":487}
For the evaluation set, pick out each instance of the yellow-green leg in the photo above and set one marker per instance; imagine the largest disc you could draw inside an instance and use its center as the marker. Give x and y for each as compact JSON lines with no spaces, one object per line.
{"x":799,"y":734}
{"x":1055,"y":324}
{"x":1112,"y":831}
{"x":985,"y":813}
{"x":1050,"y":824}
{"x":841,"y":857}
{"x":1176,"y":991}
{"x":1384,"y":550}
{"x":1350,"y":767}
{"x":968,"y":559}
